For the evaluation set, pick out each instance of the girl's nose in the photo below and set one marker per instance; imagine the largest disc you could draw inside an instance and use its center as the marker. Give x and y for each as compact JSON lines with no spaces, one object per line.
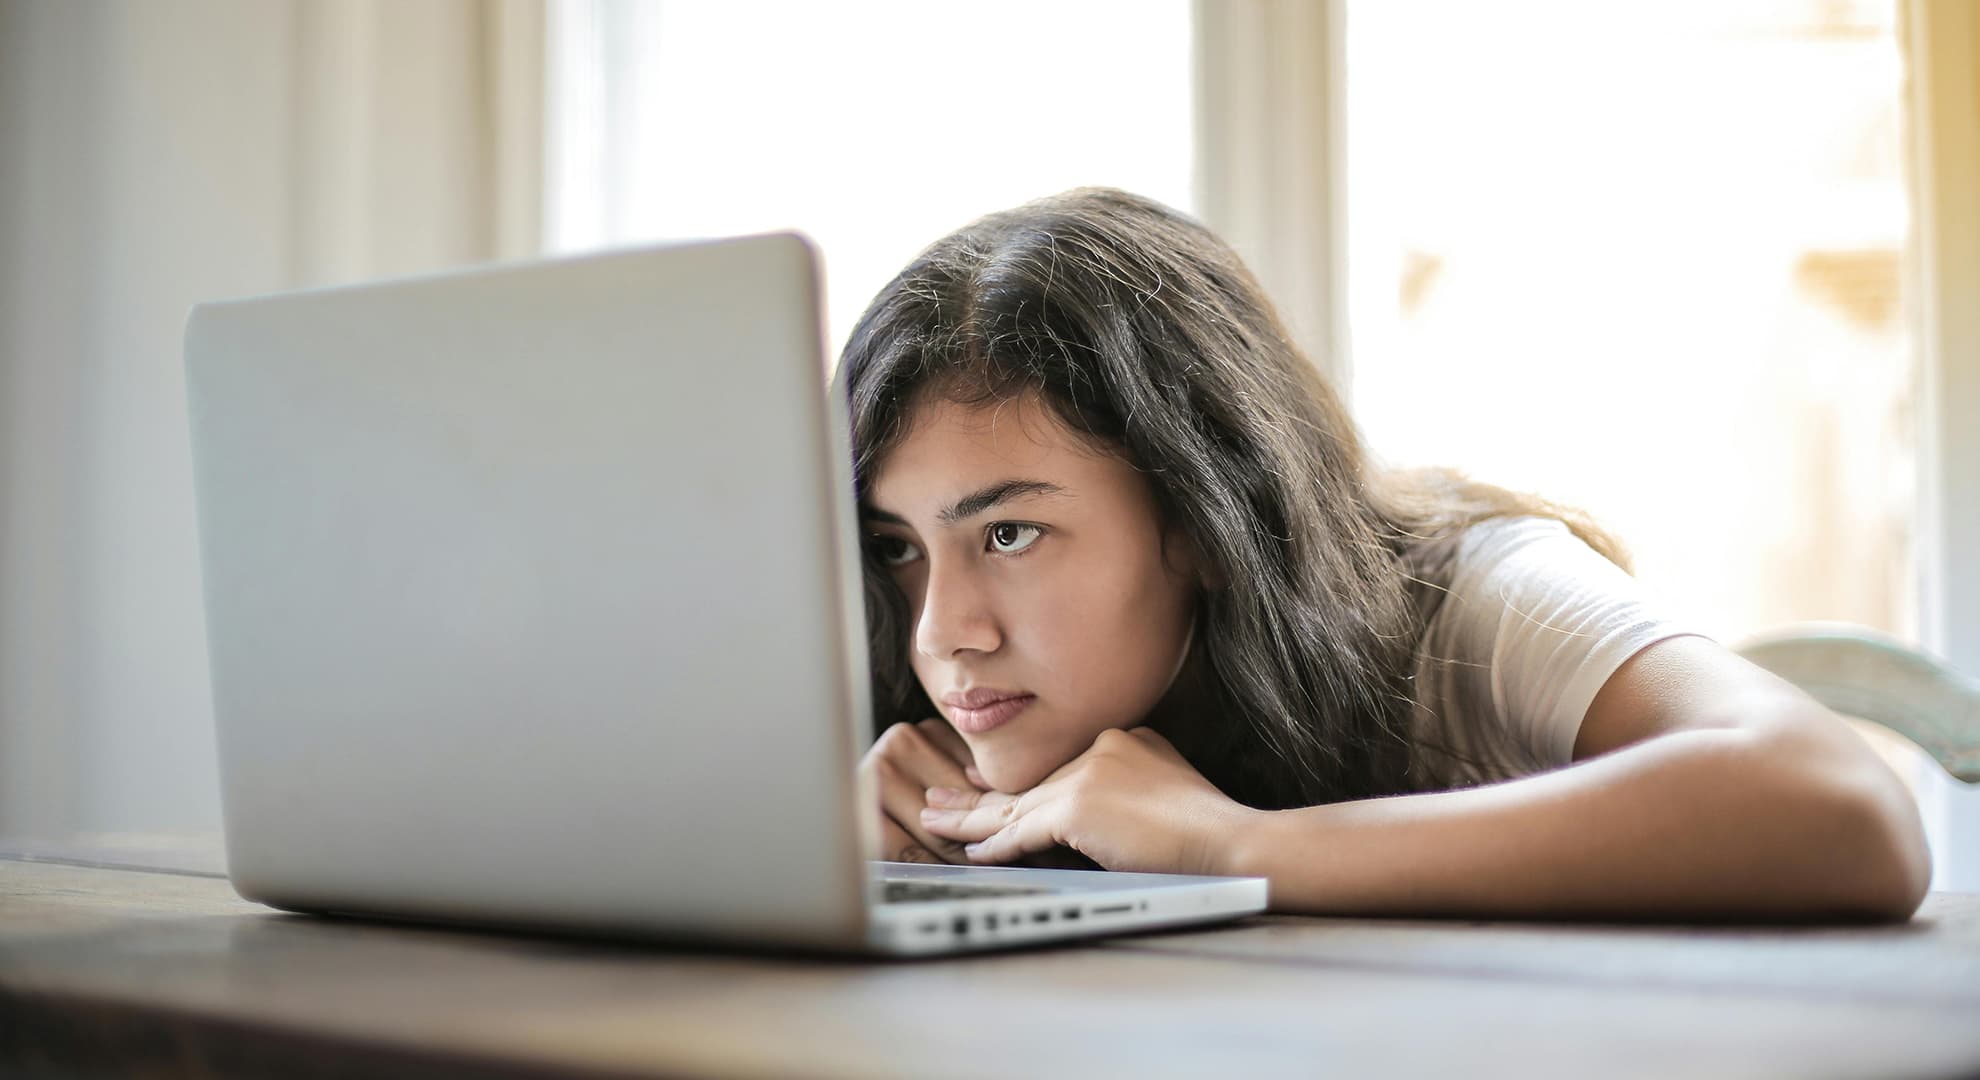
{"x":956,"y":615}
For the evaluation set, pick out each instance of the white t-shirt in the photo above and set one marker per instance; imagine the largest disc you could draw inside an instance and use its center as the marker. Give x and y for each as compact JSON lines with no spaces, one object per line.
{"x":1534,"y":623}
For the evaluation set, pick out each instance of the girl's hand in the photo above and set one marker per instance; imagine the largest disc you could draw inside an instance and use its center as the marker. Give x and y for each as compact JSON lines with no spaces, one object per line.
{"x":904,"y":762}
{"x":1130,"y":802}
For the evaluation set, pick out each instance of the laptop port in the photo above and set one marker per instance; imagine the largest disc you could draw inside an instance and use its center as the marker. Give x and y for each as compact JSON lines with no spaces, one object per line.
{"x":1041,"y":916}
{"x":990,"y":922}
{"x":961,"y":924}
{"x":1069,"y":913}
{"x":1113,"y":909}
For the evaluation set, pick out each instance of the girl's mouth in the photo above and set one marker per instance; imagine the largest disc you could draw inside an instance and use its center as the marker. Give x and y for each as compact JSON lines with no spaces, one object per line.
{"x":988,"y":715}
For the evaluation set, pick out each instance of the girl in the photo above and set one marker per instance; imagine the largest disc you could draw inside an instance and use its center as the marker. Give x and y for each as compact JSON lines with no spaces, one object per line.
{"x":1136,"y":591}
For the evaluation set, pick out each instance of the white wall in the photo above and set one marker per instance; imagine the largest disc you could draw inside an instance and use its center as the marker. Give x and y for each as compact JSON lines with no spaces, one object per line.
{"x":151,"y":156}
{"x":145,"y":169}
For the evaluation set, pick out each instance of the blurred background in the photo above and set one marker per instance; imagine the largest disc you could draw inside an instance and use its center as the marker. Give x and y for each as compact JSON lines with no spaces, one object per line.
{"x":1708,"y":268}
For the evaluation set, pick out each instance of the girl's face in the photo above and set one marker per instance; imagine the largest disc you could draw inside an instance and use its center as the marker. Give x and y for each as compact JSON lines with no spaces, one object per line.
{"x":1046,"y":602}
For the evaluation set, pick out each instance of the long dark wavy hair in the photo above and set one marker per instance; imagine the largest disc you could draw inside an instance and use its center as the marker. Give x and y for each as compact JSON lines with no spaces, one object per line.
{"x":1145,"y":332}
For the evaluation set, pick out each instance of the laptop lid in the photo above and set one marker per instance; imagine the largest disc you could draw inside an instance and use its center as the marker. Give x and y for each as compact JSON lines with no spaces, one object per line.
{"x":532,"y":595}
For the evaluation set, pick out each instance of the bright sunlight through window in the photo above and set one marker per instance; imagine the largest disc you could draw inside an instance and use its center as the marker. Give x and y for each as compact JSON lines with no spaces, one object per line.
{"x":1645,"y":260}
{"x":874,"y":127}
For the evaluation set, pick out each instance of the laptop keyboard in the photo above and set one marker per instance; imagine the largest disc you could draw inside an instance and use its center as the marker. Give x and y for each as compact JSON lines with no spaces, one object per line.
{"x":900,"y":892}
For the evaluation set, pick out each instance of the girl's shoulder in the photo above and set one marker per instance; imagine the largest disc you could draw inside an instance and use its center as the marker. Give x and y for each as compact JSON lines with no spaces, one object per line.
{"x":1529,"y":581}
{"x":1499,"y":536}
{"x":1508,"y":558}
{"x":1534,"y":621}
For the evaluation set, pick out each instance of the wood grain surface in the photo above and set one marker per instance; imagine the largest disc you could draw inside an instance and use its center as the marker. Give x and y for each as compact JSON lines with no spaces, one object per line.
{"x":108,"y":971}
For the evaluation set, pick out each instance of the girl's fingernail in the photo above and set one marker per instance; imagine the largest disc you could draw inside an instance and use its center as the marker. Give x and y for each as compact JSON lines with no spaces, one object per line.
{"x":929,"y":813}
{"x":972,"y":850}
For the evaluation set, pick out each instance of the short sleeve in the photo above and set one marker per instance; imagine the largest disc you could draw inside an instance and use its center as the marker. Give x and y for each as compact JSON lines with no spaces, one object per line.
{"x":1539,"y":621}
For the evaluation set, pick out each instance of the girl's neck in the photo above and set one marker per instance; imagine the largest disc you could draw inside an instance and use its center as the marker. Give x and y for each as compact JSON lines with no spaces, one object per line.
{"x":1185,"y":712}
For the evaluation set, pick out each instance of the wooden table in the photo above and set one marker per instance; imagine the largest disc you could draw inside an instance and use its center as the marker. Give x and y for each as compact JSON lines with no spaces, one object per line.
{"x":138,"y":959}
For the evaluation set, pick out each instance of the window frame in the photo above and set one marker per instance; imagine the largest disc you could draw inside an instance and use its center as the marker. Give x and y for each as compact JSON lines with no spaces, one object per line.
{"x":1942,"y":52}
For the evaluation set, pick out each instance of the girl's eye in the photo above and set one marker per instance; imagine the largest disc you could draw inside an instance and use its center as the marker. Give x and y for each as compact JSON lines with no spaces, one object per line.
{"x":891,"y":551}
{"x":1010,"y":538}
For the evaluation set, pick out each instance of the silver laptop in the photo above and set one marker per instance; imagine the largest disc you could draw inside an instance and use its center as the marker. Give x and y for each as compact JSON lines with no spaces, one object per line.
{"x":533,"y":600}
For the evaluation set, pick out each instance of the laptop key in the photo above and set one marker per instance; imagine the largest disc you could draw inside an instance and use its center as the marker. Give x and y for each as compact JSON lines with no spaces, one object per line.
{"x":897,"y":892}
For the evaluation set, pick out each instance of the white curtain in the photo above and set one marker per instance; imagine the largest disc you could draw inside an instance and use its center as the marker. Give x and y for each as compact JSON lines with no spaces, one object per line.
{"x":153,"y":156}
{"x":1268,"y":166}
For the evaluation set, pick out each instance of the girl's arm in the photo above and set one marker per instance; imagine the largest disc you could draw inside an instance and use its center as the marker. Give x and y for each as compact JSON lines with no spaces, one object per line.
{"x":1703,"y":787}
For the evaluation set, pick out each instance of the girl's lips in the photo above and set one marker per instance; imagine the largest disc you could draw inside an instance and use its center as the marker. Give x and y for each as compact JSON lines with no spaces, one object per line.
{"x":991,"y":716}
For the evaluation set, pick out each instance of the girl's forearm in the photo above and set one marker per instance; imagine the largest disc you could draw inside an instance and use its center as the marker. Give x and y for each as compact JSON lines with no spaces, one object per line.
{"x":1704,"y":823}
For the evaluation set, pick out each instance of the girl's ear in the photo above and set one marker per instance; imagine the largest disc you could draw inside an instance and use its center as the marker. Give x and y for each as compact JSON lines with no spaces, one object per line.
{"x":1183,"y":558}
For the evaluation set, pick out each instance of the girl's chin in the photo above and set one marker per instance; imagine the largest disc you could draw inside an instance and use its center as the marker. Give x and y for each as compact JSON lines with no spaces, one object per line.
{"x":1013,"y":773}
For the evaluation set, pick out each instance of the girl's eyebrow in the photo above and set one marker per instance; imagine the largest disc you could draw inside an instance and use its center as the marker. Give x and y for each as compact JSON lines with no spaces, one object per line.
{"x":973,"y":503}
{"x":990,"y":495}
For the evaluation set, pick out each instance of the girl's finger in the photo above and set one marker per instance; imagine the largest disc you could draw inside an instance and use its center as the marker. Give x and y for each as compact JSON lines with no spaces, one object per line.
{"x":1033,"y":832}
{"x":902,"y":798}
{"x":911,"y":750}
{"x":969,"y":817}
{"x":944,"y":738}
{"x":897,"y":846}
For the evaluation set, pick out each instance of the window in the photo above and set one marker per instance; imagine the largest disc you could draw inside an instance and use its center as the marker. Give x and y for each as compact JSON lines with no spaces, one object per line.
{"x":1641,"y":260}
{"x":1646,"y":261}
{"x":874,"y":127}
